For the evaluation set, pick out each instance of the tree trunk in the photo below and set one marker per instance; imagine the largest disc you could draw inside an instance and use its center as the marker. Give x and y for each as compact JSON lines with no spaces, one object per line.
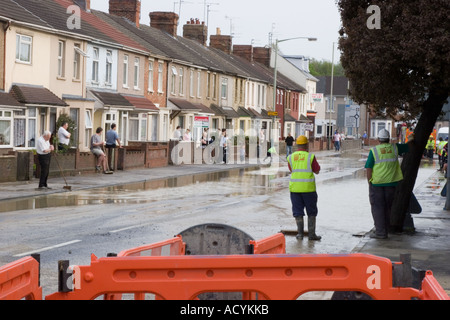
{"x":432,"y":108}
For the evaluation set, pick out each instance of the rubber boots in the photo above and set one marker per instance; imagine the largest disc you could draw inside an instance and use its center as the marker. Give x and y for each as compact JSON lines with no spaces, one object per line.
{"x":300,"y":227}
{"x":312,"y":229}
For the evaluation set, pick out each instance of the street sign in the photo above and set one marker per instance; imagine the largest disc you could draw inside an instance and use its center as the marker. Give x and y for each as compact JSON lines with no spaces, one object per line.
{"x":352,"y":116}
{"x":272,"y":113}
{"x":317,"y":97}
{"x":201,"y":122}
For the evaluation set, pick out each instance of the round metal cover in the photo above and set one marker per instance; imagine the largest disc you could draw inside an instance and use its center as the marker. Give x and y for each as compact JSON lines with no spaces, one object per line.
{"x":215,"y":239}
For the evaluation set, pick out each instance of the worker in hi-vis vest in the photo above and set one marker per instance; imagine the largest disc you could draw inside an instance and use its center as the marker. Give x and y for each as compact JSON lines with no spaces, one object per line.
{"x":303,"y":165}
{"x":383,"y":174}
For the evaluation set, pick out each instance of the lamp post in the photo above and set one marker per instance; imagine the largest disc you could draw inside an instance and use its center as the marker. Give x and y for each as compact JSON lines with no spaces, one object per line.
{"x":330,"y":130}
{"x":275,"y":70}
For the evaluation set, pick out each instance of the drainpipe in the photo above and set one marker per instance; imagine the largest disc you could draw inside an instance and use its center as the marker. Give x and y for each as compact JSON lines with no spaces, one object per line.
{"x":8,"y":24}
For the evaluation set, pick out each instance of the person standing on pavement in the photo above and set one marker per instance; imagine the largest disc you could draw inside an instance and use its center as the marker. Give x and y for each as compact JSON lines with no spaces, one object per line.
{"x":302,"y":186}
{"x":111,"y":138}
{"x":383,"y":174}
{"x":63,"y":136}
{"x":44,"y":149}
{"x":337,"y":140}
{"x":223,"y":144}
{"x":289,"y":142}
{"x":430,"y":148}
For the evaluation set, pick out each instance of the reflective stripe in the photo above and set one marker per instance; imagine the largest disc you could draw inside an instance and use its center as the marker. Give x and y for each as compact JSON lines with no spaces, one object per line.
{"x":377,"y":156}
{"x":302,"y":180}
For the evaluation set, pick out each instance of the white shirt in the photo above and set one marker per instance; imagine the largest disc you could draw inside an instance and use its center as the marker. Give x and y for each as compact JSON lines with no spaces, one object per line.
{"x":177,"y":134}
{"x":42,"y":145}
{"x":223,"y":141}
{"x":63,"y":136}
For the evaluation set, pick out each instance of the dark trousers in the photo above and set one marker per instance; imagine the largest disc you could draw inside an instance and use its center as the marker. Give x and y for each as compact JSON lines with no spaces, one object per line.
{"x":302,"y":201}
{"x":111,"y":155}
{"x":381,"y":199}
{"x":44,"y":162}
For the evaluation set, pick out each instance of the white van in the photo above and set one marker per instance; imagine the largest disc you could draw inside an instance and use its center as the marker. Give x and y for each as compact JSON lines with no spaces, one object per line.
{"x":442,"y":133}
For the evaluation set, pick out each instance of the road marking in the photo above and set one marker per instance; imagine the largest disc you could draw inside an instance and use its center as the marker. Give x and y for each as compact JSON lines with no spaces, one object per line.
{"x":47,"y":248}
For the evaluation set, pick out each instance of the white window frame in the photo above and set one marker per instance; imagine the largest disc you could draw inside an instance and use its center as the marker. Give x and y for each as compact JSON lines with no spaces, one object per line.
{"x":150,"y":76}
{"x":199,"y":87}
{"x":61,"y":58}
{"x":76,"y":62}
{"x":95,"y":65}
{"x":23,"y":40}
{"x":87,"y":129}
{"x":191,"y":83}
{"x":181,"y":82}
{"x":173,"y":80}
{"x":137,"y":64}
{"x":125,"y":71}
{"x":224,"y":88}
{"x":7,"y":116}
{"x":160,"y":77}
{"x":109,"y":64}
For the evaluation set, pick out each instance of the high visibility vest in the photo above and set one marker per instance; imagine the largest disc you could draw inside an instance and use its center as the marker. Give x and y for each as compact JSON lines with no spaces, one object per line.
{"x":302,"y":176}
{"x":430,"y":144}
{"x":441,"y":147}
{"x":386,"y":168}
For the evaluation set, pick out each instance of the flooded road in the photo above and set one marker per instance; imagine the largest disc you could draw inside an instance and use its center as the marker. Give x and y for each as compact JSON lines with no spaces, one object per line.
{"x":71,"y":226}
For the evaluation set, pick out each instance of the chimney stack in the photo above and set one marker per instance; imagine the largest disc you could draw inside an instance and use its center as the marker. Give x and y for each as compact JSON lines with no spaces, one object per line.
{"x":165,"y":21}
{"x":195,"y":30}
{"x":129,"y":9}
{"x":223,"y":43}
{"x":262,"y":55}
{"x":244,"y":51}
{"x":83,"y":4}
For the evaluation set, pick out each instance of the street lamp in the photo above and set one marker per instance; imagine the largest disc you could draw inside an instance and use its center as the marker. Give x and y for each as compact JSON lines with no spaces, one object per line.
{"x":330,"y":106}
{"x":275,"y":70}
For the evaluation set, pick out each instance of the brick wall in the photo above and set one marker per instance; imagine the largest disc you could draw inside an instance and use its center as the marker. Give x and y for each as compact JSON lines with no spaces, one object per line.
{"x":8,"y":168}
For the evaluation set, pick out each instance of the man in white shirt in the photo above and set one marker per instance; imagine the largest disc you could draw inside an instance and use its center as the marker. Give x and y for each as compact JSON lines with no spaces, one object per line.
{"x":223,"y":145}
{"x":177,"y":134}
{"x":63,"y":136}
{"x":44,"y":149}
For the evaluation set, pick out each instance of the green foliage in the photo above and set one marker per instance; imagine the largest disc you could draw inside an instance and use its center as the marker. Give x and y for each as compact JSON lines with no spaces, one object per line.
{"x":324,"y":68}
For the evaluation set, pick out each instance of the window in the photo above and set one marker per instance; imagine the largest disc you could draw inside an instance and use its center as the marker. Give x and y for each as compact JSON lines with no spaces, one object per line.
{"x":88,"y":129}
{"x":25,"y":128}
{"x":150,"y":76}
{"x":108,"y":77}
{"x":5,"y":127}
{"x":136,"y":72}
{"x":191,"y":83}
{"x":199,"y":87}
{"x":224,"y":91}
{"x":160,"y":77}
{"x":173,"y":79}
{"x":23,"y":48}
{"x":95,"y":60}
{"x":76,"y":62}
{"x":208,"y":85}
{"x":125,"y":71}
{"x":181,"y":82}
{"x":61,"y":59}
{"x":214,"y":84}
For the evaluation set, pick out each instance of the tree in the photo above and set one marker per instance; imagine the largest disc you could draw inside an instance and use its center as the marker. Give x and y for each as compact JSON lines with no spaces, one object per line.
{"x":403,"y":64}
{"x":323,"y":68}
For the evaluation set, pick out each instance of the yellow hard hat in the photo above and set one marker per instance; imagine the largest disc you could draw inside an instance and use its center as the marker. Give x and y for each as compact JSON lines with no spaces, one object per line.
{"x":302,"y":140}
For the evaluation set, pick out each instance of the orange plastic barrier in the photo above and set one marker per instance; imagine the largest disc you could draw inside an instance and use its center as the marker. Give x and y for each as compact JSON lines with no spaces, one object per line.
{"x":171,"y":247}
{"x":20,"y":280}
{"x":431,"y":289}
{"x":274,"y":244}
{"x":272,"y":276}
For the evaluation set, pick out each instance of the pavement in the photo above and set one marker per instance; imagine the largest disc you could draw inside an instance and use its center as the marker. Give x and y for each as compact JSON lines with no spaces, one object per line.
{"x":429,"y":246}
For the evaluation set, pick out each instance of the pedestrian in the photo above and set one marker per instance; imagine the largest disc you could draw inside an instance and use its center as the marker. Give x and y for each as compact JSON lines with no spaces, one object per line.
{"x":44,"y":149}
{"x":289,"y":142}
{"x":430,"y":147}
{"x":337,"y":140}
{"x":302,"y":186}
{"x":270,"y":152}
{"x":63,"y":136}
{"x":97,"y":149}
{"x":383,"y":174}
{"x":187,"y":135}
{"x":177,"y":134}
{"x":223,"y":144}
{"x":112,"y":141}
{"x":205,"y":139}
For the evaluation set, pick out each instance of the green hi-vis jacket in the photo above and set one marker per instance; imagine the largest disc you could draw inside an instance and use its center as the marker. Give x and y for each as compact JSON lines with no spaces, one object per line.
{"x":302,"y":176}
{"x":386,"y":168}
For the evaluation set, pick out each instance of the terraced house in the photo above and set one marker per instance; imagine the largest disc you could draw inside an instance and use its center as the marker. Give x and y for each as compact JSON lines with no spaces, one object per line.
{"x":61,"y":57}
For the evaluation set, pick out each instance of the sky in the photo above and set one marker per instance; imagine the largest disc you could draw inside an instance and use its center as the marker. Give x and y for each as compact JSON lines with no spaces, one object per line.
{"x":252,"y":21}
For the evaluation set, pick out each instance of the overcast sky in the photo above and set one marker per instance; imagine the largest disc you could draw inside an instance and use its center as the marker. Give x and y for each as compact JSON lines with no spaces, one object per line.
{"x":251,"y":21}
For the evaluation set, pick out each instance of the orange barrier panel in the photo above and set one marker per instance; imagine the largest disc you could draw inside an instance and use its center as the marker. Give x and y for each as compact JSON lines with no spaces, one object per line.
{"x":171,"y":247}
{"x":277,"y":277}
{"x":275,"y":244}
{"x":431,"y":289}
{"x":20,"y":280}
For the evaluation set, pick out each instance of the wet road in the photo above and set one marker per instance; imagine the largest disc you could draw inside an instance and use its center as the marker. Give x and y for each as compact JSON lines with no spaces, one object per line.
{"x":71,"y":226}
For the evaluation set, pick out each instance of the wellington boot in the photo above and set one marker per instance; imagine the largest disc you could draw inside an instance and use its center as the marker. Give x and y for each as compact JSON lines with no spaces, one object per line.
{"x":300,"y":227}
{"x":312,"y":229}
